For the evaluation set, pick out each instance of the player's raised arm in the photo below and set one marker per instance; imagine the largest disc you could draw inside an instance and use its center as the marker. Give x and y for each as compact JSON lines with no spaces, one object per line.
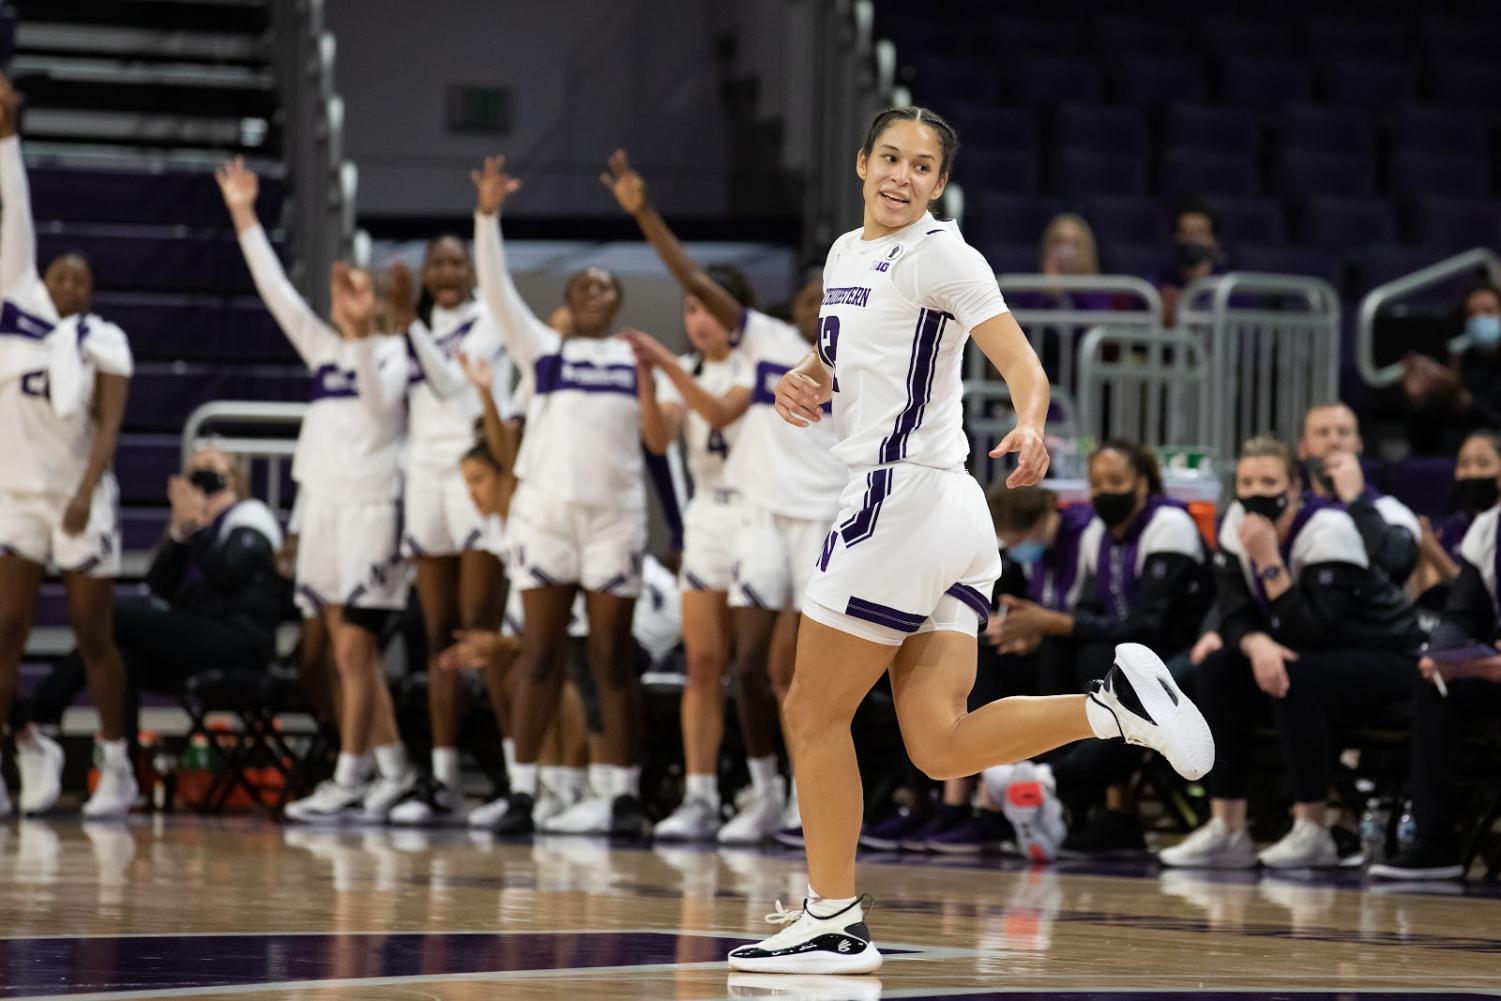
{"x":17,"y":234}
{"x":525,"y":336}
{"x":1002,"y":341}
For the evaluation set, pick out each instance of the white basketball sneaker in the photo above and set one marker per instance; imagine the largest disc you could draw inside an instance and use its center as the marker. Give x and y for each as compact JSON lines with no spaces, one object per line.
{"x":40,"y":762}
{"x":1213,"y":846}
{"x":1307,"y":846}
{"x":330,"y":803}
{"x":697,"y":819}
{"x":115,"y":793}
{"x":1029,"y":799}
{"x":484,"y":817}
{"x":759,"y":819}
{"x":384,"y":793}
{"x":827,"y":944}
{"x":589,"y":816}
{"x":1140,"y":702}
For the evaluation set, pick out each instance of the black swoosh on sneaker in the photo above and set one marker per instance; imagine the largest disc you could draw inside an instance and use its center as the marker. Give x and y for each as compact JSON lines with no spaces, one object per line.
{"x":1167,"y":688}
{"x":1120,"y":685}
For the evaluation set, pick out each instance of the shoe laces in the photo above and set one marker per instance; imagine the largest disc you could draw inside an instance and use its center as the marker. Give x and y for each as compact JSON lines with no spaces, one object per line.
{"x":782,"y":916}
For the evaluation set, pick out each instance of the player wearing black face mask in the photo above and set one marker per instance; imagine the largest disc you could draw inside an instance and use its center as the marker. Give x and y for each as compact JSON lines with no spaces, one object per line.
{"x":1477,"y":475}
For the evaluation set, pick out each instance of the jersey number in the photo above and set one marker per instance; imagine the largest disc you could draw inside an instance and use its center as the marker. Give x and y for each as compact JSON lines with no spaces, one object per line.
{"x":717,"y":445}
{"x":828,"y":345}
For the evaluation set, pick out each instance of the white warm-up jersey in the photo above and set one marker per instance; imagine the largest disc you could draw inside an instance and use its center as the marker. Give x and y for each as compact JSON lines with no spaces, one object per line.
{"x":47,"y":362}
{"x":896,"y":314}
{"x":583,"y":419}
{"x":443,"y":404}
{"x":350,"y":444}
{"x":707,"y":449}
{"x":786,"y":469}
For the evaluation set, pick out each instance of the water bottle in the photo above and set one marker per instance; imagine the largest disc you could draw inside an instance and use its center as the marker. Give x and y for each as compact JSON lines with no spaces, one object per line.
{"x":1373,"y":823}
{"x":164,"y":788}
{"x":1407,"y":828}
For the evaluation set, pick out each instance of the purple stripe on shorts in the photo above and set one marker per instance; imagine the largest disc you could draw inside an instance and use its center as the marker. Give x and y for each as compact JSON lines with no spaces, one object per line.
{"x":474,"y":536}
{"x":85,"y":566}
{"x":755,"y":599}
{"x":356,"y":594}
{"x":541,"y":577}
{"x":694,"y":584}
{"x":614,"y":582}
{"x":862,"y":525}
{"x":884,"y":615}
{"x":411,"y":544}
{"x":828,"y":550}
{"x":312,"y":596}
{"x":972,"y":597}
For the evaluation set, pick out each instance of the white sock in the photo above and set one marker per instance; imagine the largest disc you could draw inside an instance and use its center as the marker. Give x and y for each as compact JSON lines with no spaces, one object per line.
{"x":508,"y":750}
{"x":524,"y":779}
{"x":763,"y":773}
{"x":601,"y":780}
{"x":553,"y":779}
{"x":827,"y":906}
{"x":702,"y":787}
{"x":27,"y":739}
{"x":391,"y":761}
{"x":446,"y":766}
{"x":626,"y":780}
{"x":352,"y":769}
{"x":575,"y":783}
{"x":114,"y":753}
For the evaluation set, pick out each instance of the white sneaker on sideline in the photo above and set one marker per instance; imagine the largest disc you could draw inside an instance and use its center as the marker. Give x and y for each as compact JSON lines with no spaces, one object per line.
{"x":40,"y":762}
{"x":115,"y":793}
{"x":589,"y":816}
{"x":486,"y":816}
{"x":759,"y":819}
{"x":383,"y":795}
{"x":1213,"y":846}
{"x":696,"y":819}
{"x":550,"y":805}
{"x":836,"y":943}
{"x":330,"y":803}
{"x":1307,"y":846}
{"x":1140,"y":701}
{"x":1030,"y":803}
{"x":429,"y":803}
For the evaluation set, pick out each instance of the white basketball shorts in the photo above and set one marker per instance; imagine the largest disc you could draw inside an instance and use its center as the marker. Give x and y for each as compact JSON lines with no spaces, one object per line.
{"x":555,"y":541}
{"x":31,"y":527}
{"x":774,"y":558}
{"x":348,"y":553}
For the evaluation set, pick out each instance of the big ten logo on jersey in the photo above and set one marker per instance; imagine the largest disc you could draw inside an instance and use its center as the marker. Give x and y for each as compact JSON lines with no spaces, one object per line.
{"x":37,"y":384}
{"x":828,"y":346}
{"x":884,"y":264}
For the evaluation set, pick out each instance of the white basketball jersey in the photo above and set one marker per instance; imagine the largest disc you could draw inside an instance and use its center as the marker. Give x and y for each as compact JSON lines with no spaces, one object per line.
{"x":786,"y":469}
{"x":707,"y":449}
{"x":896,"y":314}
{"x":444,"y":406}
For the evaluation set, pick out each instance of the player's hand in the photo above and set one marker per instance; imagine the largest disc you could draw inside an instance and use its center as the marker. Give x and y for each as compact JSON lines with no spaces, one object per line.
{"x":1259,"y":539}
{"x":1269,"y":660}
{"x":10,"y":109}
{"x":477,"y":371}
{"x":648,"y":349}
{"x":492,"y":185}
{"x":238,"y":183}
{"x":1345,"y":475}
{"x":189,"y":507}
{"x":1032,"y":456}
{"x":799,"y":399}
{"x":475,"y":648}
{"x":561,"y":320}
{"x":625,"y":183}
{"x":76,"y":516}
{"x":1210,"y":642}
{"x":399,"y":293}
{"x":353,"y":306}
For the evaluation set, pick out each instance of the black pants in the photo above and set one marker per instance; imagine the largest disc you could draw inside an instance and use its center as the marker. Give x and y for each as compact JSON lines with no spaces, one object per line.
{"x":1439,"y":726}
{"x":1326,"y":688}
{"x":161,"y":647}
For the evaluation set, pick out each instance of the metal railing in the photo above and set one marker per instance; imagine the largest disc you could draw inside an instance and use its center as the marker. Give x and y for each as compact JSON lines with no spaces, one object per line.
{"x":1151,"y":386}
{"x":1273,"y":345}
{"x":1383,"y":296}
{"x":240,"y":414}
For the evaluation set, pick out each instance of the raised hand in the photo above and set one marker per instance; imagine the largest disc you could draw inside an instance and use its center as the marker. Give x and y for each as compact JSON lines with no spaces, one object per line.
{"x":492,"y":185}
{"x":10,"y":109}
{"x":399,"y":295}
{"x":238,"y":183}
{"x":625,"y":183}
{"x":648,"y":349}
{"x":353,"y":295}
{"x":1032,"y":456}
{"x":561,"y":320}
{"x":477,"y":371}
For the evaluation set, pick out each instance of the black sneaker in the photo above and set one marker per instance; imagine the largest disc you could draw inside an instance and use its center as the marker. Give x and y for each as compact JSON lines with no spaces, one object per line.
{"x":1109,"y":832}
{"x":626,"y":818}
{"x":1425,"y":858}
{"x":429,"y":802}
{"x":517,"y":820}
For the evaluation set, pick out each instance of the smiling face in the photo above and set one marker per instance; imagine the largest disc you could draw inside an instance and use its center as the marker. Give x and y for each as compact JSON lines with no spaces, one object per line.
{"x":447,"y":272}
{"x":902,"y":174}
{"x":1327,"y":430}
{"x":70,"y":283}
{"x":593,"y":298}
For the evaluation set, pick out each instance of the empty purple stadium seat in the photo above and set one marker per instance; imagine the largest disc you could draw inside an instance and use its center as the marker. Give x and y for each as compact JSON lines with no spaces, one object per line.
{"x":1249,"y":220}
{"x":1423,"y":483}
{"x":1050,"y":36}
{"x":143,"y":462}
{"x":1311,"y":262}
{"x":91,"y":195}
{"x":1127,"y":220}
{"x":1318,"y":128}
{"x":1330,"y":221}
{"x":1306,"y":174}
{"x":143,"y":527}
{"x":1001,"y":218}
{"x":1005,"y":172}
{"x":1144,"y":260}
{"x":152,"y":258}
{"x":1467,"y":85}
{"x":995,"y":129}
{"x":171,"y":327}
{"x":941,"y":83}
{"x":1457,"y":223}
{"x":1102,"y":128}
{"x":1211,"y":128}
{"x":1340,"y":38}
{"x":1225,"y":36}
{"x":1417,"y":172}
{"x":1046,"y":79}
{"x":1264,"y":84}
{"x":1438,"y":130}
{"x":1081,"y":174}
{"x":1011,"y":258}
{"x":1189,"y":171}
{"x":1379,"y":264}
{"x":1445,"y":39}
{"x":1149,"y":80}
{"x":1117,"y":35}
{"x":1366,"y":84}
{"x":162,"y":396}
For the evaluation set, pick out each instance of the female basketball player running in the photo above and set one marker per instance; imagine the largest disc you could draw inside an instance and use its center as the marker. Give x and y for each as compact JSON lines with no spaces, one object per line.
{"x":458,"y":574}
{"x":346,"y":467}
{"x":64,"y":374}
{"x":788,"y":482}
{"x":578,"y":519}
{"x":905,"y":575}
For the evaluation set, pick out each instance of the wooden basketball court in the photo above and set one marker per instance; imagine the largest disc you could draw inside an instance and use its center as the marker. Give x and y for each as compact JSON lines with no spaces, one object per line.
{"x":174,"y":908}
